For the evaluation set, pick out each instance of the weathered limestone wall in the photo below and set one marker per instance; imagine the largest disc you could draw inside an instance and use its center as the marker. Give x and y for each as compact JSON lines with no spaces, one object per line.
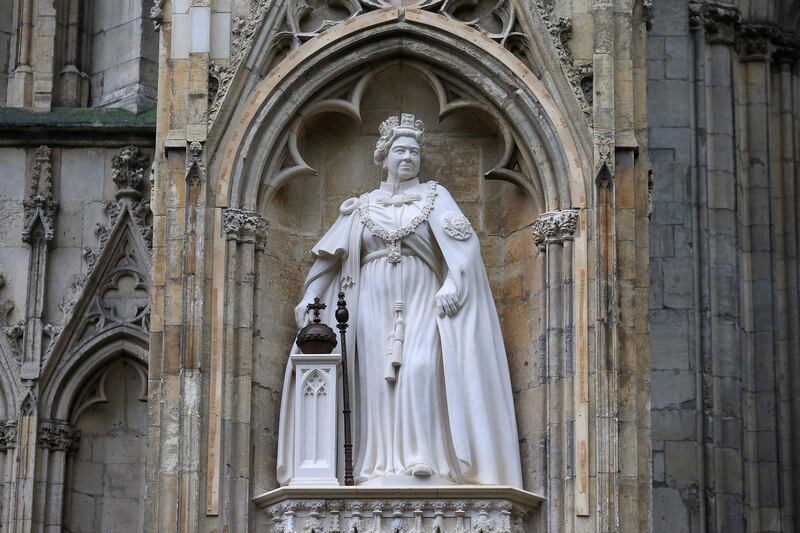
{"x":723,"y":106}
{"x":6,"y":34}
{"x":124,"y":56}
{"x":72,"y":53}
{"x":73,"y":300}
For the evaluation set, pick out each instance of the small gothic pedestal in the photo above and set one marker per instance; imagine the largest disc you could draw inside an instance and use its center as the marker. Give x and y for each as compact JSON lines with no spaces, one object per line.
{"x":454,"y":509}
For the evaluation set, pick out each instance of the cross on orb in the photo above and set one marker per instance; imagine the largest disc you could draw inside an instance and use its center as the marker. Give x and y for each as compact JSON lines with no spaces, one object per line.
{"x":316,"y":307}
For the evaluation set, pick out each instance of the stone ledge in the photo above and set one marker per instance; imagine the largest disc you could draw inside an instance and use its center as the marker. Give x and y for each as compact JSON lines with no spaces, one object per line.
{"x":462,"y":508}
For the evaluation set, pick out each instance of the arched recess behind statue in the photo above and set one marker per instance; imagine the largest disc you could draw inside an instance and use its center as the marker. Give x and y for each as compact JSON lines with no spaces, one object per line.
{"x":262,"y":152}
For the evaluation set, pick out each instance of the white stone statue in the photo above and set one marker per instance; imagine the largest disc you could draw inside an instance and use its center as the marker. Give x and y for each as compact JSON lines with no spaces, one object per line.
{"x":430,"y":385}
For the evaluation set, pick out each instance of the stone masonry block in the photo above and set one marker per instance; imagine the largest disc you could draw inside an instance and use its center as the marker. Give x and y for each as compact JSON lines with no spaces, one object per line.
{"x":673,"y":96}
{"x":670,"y":513}
{"x":671,"y":17}
{"x":674,"y":424}
{"x":672,"y":388}
{"x":678,"y":285}
{"x":662,"y":242}
{"x":676,"y":52}
{"x":681,"y":462}
{"x":669,"y":339}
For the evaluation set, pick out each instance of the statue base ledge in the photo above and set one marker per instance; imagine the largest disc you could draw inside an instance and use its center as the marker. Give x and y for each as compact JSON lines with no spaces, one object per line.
{"x":455,"y":508}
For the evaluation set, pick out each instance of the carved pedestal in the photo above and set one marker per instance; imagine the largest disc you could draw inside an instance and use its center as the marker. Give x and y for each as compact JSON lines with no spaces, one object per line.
{"x":454,"y":509}
{"x":316,"y":414}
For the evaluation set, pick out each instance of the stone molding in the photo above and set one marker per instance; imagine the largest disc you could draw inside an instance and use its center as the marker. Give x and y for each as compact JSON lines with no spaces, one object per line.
{"x":581,"y":77}
{"x":8,"y":436}
{"x":555,"y":227}
{"x":465,"y":509}
{"x":756,"y":40}
{"x":242,"y":225}
{"x":40,"y":204}
{"x":59,"y":436}
{"x":289,"y":32}
{"x":720,"y":21}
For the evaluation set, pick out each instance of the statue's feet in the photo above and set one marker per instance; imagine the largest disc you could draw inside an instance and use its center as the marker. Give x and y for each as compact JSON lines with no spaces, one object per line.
{"x":421,"y":470}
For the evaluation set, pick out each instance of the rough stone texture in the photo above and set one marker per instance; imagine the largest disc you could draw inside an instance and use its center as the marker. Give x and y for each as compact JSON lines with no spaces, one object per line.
{"x":106,"y":488}
{"x":721,"y":241}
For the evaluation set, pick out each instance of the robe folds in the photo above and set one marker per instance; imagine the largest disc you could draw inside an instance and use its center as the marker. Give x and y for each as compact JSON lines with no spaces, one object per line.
{"x":451,"y":406}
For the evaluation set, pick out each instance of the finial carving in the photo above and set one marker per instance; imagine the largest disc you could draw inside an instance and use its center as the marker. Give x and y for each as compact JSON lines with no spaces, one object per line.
{"x":128,"y":172}
{"x":41,"y":205}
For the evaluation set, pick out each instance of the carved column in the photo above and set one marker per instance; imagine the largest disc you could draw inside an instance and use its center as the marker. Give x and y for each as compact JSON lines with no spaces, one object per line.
{"x":20,"y":83}
{"x":786,"y":80}
{"x":245,"y":234}
{"x":553,"y":234}
{"x":38,"y":232}
{"x":8,"y":444}
{"x":763,"y":260}
{"x":57,"y":442}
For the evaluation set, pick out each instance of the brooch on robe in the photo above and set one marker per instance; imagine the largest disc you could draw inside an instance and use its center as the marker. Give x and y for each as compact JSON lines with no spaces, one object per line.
{"x":457,"y":226}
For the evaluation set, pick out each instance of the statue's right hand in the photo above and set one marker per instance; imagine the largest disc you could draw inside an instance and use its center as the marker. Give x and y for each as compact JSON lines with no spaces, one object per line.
{"x":301,"y":315}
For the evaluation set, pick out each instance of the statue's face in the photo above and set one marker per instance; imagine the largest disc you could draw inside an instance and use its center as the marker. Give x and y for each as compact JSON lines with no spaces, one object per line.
{"x":402,"y":161}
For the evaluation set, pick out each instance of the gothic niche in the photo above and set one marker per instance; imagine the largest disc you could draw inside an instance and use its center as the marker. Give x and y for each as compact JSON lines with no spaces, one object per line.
{"x":105,"y":483}
{"x":326,"y":158}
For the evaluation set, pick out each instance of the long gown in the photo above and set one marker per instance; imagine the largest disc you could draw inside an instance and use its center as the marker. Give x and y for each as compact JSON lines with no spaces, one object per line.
{"x":450,"y":407}
{"x":403,"y":424}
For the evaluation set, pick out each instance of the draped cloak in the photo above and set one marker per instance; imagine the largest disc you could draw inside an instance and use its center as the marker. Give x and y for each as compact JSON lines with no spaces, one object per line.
{"x":477,"y":386}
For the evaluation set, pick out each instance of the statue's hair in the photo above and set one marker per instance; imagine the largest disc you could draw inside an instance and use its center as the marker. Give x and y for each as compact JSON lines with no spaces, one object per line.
{"x":394,"y":127}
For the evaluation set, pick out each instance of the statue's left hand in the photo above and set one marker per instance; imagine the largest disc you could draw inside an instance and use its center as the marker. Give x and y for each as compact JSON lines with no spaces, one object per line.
{"x":447,"y":302}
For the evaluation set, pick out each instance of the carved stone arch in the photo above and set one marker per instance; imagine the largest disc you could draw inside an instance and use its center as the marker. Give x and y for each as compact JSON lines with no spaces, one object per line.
{"x":62,"y":392}
{"x":111,"y":315}
{"x":502,"y":79}
{"x":453,"y":96}
{"x":251,"y":152}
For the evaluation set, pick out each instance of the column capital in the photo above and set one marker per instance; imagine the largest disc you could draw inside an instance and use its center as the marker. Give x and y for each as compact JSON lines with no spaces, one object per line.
{"x":555,"y":226}
{"x":58,"y":435}
{"x":8,"y":436}
{"x":242,"y":225}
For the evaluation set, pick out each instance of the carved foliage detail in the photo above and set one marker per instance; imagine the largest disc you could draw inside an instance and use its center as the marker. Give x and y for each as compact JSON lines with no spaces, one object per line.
{"x":579,"y":76}
{"x":555,"y":227}
{"x":397,"y":516}
{"x":59,"y":436}
{"x":128,"y":171}
{"x":244,"y":226}
{"x":8,"y":436}
{"x":40,"y":205}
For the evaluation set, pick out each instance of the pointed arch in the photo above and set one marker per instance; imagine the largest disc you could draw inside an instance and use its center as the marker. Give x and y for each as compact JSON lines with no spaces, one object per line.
{"x":105,"y":324}
{"x":506,"y":83}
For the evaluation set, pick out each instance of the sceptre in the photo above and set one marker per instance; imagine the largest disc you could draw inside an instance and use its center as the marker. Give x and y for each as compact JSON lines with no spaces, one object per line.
{"x":342,"y":316}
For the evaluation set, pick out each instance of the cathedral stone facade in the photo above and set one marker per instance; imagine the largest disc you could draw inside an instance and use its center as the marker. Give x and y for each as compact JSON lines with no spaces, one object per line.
{"x":629,"y":166}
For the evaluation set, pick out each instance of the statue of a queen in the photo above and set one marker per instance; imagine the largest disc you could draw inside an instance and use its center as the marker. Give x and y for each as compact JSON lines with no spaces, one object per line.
{"x":431,"y":389}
